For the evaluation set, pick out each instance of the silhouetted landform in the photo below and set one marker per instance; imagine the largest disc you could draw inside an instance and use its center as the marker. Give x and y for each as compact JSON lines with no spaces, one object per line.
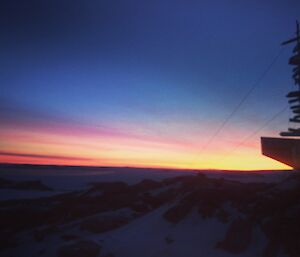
{"x":24,"y":185}
{"x":76,"y":219}
{"x":46,"y":167}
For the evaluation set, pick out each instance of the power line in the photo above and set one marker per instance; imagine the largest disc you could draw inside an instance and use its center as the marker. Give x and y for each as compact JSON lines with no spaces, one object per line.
{"x":275,"y":116}
{"x":249,"y":92}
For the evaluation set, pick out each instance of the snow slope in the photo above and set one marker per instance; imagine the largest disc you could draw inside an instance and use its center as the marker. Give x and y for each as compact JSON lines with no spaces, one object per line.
{"x":136,"y":212}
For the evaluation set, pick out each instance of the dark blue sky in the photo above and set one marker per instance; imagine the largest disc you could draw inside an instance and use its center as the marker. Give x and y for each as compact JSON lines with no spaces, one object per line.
{"x":156,"y":67}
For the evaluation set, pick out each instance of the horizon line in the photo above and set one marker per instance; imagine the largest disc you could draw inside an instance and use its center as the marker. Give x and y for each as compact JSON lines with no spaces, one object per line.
{"x":138,"y":167}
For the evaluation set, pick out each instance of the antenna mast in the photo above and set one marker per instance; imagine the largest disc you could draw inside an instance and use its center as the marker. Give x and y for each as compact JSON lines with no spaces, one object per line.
{"x":294,"y":96}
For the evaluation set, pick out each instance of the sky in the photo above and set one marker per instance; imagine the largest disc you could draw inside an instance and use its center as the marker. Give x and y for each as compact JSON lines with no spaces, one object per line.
{"x":143,"y":83}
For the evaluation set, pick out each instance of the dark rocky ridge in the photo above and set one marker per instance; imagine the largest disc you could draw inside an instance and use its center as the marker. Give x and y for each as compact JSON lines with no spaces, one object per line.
{"x":265,"y":206}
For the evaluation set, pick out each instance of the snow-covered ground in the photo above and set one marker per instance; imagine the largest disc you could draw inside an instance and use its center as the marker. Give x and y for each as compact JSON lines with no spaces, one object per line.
{"x":124,"y":212}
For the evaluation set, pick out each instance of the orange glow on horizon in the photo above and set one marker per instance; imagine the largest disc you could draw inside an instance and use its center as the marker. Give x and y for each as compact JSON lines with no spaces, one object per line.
{"x":253,"y":162}
{"x":90,"y":147}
